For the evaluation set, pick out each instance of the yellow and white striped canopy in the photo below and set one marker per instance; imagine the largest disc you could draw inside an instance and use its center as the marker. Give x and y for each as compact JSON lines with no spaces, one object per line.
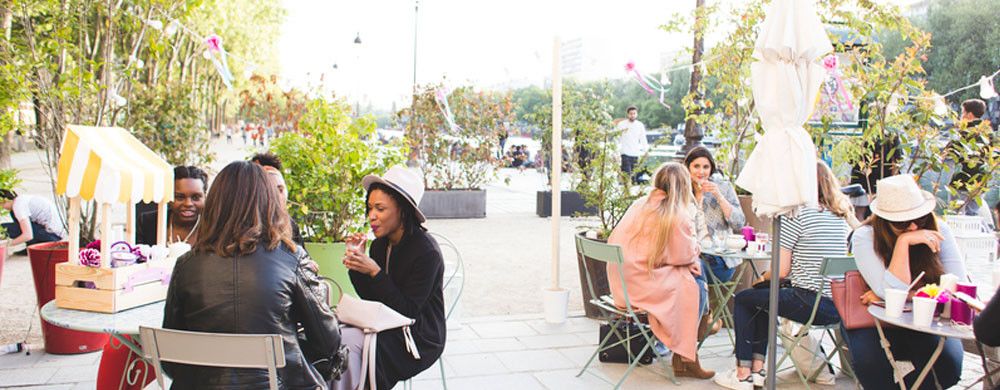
{"x":109,"y":165}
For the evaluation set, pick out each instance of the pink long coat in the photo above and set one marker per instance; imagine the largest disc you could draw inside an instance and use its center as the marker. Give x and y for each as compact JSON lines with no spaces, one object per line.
{"x":669,"y":293}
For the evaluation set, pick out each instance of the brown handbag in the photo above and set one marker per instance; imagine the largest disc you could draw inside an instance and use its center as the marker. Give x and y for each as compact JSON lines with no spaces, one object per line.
{"x":846,"y":297}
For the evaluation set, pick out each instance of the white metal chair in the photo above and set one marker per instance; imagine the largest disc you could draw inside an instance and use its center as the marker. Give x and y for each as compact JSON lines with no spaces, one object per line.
{"x":263,"y":351}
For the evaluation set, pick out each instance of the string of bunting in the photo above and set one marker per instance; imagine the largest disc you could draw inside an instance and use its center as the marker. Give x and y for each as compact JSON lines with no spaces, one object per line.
{"x":653,"y":86}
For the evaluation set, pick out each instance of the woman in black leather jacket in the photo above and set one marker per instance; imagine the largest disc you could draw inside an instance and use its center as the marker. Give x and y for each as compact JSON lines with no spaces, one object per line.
{"x":404,"y":270}
{"x":243,"y":276}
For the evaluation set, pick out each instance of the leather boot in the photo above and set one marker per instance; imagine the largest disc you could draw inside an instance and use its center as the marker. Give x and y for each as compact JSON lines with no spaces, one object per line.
{"x":693,"y":369}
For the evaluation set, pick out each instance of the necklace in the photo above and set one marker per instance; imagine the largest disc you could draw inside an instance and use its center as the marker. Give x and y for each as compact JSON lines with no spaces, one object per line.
{"x":170,"y":235}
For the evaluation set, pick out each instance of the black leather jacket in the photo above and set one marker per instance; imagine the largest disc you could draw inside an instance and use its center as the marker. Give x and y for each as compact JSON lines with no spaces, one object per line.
{"x":267,"y":292}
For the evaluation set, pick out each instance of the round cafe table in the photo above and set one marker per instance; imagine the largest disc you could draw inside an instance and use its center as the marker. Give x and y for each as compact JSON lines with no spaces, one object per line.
{"x":938,"y":327}
{"x":727,"y":290}
{"x":122,"y":326}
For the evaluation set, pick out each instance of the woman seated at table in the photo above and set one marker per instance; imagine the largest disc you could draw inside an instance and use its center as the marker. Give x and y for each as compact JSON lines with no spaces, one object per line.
{"x":806,"y":238}
{"x":183,"y":213}
{"x":404,"y":270}
{"x":243,"y":276}
{"x":657,"y":237}
{"x":899,"y":241}
{"x":717,"y":200}
{"x":720,"y":209}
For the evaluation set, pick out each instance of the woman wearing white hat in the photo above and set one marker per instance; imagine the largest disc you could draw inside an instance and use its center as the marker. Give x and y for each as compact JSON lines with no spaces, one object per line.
{"x":404,"y":270}
{"x":899,"y":241}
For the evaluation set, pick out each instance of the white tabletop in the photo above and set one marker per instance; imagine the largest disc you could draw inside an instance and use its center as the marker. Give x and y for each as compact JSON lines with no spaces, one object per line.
{"x":938,"y":327}
{"x":737,"y":254}
{"x":124,"y":322}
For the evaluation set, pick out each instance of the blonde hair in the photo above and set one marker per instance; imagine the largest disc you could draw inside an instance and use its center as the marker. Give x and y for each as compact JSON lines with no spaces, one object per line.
{"x":830,"y":197}
{"x":675,"y":180}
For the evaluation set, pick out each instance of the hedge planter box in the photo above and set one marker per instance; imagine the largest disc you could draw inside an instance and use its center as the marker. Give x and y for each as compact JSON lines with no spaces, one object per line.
{"x":454,"y":204}
{"x":572,"y":204}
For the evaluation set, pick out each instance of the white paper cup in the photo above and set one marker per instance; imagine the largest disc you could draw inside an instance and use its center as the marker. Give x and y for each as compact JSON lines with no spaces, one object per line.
{"x":923,"y":310}
{"x":949,"y":282}
{"x":894,"y":302}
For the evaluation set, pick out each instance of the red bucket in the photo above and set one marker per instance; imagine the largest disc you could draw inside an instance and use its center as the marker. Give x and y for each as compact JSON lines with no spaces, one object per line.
{"x":44,"y":258}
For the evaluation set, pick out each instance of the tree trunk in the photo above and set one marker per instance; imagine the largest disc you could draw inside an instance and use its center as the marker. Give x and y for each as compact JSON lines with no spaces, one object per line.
{"x":692,"y":132}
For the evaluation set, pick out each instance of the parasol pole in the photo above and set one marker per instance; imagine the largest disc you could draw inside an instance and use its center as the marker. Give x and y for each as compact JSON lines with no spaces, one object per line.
{"x":556,"y":160}
{"x":772,"y":308}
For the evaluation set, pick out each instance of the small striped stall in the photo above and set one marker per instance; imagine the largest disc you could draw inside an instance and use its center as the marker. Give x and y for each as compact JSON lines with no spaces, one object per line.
{"x":109,"y":166}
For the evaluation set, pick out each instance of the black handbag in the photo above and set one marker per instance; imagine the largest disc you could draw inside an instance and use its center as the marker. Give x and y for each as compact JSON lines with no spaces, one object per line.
{"x":618,"y":353}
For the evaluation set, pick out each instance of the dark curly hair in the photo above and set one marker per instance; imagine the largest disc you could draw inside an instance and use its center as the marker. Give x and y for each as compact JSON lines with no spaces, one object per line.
{"x":268,"y":159}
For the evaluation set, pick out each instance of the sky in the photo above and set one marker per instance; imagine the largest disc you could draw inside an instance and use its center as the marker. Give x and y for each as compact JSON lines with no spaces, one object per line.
{"x":486,"y":43}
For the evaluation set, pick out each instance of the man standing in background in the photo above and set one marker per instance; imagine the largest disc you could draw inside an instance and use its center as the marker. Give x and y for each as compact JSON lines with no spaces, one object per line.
{"x":632,"y":142}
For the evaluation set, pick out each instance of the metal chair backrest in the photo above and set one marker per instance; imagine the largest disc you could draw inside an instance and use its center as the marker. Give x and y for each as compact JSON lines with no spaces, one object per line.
{"x":457,"y":275}
{"x":213,"y":350}
{"x":606,"y":253}
{"x":837,"y":266}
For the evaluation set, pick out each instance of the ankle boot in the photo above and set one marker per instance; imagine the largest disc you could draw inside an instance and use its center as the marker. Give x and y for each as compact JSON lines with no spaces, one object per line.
{"x":693,"y":369}
{"x":704,"y":330}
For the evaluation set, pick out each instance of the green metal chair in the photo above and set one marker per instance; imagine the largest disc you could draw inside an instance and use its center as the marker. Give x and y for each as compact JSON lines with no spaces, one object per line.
{"x":719,"y":308}
{"x":831,"y":267}
{"x":612,"y":254}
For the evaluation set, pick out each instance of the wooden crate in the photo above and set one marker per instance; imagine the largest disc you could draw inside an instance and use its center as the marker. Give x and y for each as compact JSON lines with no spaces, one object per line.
{"x":116,"y":289}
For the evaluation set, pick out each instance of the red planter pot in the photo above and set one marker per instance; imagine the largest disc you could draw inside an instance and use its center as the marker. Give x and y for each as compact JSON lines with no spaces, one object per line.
{"x":44,"y":258}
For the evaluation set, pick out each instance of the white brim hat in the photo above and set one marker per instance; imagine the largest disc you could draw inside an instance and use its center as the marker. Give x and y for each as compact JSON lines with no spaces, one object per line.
{"x":407,"y":182}
{"x":900,"y":199}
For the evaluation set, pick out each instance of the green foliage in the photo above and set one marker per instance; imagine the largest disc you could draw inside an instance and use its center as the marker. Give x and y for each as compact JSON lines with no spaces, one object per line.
{"x":324,"y":163}
{"x":965,"y":44}
{"x":461,"y":158}
{"x":165,"y":119}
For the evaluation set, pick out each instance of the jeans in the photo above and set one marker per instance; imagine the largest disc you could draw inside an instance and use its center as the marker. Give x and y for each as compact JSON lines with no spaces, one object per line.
{"x":702,"y":293}
{"x":628,"y":166}
{"x":38,"y":231}
{"x":750,"y":316}
{"x":719,"y":268}
{"x":874,"y":371}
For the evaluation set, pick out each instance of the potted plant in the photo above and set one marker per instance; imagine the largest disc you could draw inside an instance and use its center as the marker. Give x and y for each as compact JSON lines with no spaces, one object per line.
{"x":324,"y":163}
{"x":454,"y":137}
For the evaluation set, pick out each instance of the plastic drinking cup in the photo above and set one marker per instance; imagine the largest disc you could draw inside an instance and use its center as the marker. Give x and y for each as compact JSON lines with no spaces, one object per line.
{"x":894,"y":302}
{"x":923,"y":311}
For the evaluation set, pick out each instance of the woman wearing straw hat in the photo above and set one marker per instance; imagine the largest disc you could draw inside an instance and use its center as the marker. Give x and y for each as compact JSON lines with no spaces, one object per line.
{"x":404,"y":270}
{"x":899,"y":241}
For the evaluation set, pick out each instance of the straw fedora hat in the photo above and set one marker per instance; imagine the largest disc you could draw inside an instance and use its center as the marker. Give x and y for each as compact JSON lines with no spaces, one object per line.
{"x":408,"y":182}
{"x":899,"y":199}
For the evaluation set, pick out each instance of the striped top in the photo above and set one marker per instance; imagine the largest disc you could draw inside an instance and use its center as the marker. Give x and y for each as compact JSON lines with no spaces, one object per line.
{"x":812,"y":235}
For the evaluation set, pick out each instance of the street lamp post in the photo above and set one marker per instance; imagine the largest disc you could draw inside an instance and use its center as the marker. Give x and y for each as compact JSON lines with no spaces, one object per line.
{"x":357,"y":60}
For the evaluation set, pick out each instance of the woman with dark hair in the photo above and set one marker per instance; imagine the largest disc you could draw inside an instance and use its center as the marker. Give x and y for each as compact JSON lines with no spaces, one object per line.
{"x":243,"y":276}
{"x":190,"y":187}
{"x":404,"y":270}
{"x":899,"y":241}
{"x":720,"y":209}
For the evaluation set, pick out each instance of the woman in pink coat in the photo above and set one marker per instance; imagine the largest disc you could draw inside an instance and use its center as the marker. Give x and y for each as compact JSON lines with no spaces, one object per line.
{"x":657,"y":236}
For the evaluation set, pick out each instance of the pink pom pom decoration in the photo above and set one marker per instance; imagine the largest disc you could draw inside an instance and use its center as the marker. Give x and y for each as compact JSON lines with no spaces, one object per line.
{"x":630,"y":66}
{"x":830,"y":62}
{"x":214,"y":43}
{"x":90,"y":257}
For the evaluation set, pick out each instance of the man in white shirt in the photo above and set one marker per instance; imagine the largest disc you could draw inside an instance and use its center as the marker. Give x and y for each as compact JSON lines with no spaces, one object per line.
{"x":632,"y":141}
{"x":35,"y":219}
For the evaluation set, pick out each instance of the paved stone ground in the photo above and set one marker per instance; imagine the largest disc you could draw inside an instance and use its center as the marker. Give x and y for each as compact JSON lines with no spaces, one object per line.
{"x":499,"y":343}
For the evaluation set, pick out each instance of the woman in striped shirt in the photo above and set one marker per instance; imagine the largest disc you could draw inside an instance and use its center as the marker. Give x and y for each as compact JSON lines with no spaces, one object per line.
{"x":806,"y":238}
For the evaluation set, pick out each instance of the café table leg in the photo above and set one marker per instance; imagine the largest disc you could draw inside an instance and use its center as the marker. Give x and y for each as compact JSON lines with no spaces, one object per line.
{"x":930,"y":363}
{"x":888,"y":354}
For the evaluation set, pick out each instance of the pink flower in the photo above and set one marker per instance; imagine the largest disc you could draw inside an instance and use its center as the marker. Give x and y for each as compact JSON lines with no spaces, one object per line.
{"x":630,"y":66}
{"x":830,"y":62}
{"x":90,"y":257}
{"x":214,"y":43}
{"x":96,"y":244}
